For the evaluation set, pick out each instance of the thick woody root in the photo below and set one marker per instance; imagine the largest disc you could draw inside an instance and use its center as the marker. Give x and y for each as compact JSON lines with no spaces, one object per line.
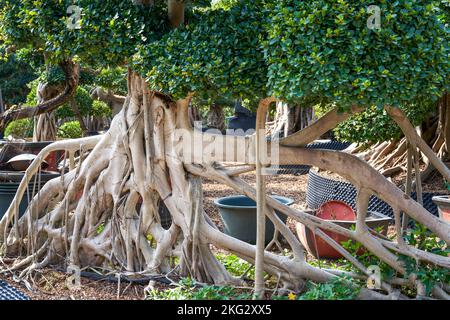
{"x":391,"y":157}
{"x":104,"y":212}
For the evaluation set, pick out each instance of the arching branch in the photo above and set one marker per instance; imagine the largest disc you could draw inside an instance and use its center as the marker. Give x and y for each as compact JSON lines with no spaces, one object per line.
{"x":318,"y":128}
{"x":416,"y":141}
{"x":71,"y":72}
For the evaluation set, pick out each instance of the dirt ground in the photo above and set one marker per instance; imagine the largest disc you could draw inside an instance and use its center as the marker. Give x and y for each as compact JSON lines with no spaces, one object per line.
{"x":51,"y":285}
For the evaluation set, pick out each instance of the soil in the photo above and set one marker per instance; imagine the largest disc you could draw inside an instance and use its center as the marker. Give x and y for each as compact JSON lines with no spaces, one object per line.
{"x":49,"y":284}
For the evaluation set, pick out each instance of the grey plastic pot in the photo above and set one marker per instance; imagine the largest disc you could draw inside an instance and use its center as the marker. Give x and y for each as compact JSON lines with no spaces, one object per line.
{"x":239,"y":217}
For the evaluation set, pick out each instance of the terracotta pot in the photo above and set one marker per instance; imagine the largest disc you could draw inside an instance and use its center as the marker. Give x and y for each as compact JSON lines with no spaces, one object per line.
{"x":320,"y":249}
{"x":443,"y":204}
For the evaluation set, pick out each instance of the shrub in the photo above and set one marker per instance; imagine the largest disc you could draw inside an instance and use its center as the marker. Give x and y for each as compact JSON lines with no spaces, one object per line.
{"x":188,"y":289}
{"x":100,"y":109}
{"x":337,"y":289}
{"x":20,"y":128}
{"x":14,"y":75}
{"x":114,"y":79}
{"x":323,"y":48}
{"x":375,"y":125}
{"x":84,"y":104}
{"x":70,"y":130}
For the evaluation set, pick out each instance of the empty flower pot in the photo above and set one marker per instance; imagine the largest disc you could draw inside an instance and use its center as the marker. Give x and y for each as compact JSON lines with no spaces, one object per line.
{"x":239,"y":217}
{"x":443,"y":204}
{"x":9,"y":183}
{"x":319,"y":248}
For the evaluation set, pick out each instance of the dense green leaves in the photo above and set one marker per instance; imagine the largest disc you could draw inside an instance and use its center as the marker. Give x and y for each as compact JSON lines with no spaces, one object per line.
{"x":114,"y":79}
{"x":324,"y":48}
{"x":20,"y":129}
{"x":293,"y":49}
{"x":84,"y":103}
{"x":15,"y":73}
{"x":220,"y":55}
{"x":110,"y":30}
{"x":70,"y":130}
{"x":374,"y":124}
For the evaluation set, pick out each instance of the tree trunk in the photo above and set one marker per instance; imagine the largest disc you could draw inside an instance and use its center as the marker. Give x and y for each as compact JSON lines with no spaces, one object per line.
{"x":71,"y":71}
{"x":176,"y":12}
{"x":45,"y":124}
{"x":216,"y":118}
{"x":445,"y":102}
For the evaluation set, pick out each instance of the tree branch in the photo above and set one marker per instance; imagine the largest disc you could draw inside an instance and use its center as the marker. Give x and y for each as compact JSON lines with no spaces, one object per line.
{"x":416,"y":141}
{"x":318,"y":128}
{"x":72,"y":76}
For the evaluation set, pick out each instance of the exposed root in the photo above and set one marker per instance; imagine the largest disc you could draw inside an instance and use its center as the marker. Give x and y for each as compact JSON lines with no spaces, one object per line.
{"x":104,"y":211}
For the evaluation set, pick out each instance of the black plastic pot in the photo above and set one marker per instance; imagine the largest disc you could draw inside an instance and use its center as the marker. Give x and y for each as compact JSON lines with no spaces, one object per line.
{"x":16,"y":148}
{"x":8,"y":191}
{"x":239,"y":217}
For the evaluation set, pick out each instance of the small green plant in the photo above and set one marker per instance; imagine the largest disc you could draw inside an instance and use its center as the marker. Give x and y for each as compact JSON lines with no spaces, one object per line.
{"x":188,"y":289}
{"x":447,"y":185}
{"x":84,"y":103}
{"x":113,"y":79}
{"x":20,"y":128}
{"x":236,"y":266}
{"x":367,"y":258}
{"x":340,"y":264}
{"x":421,"y":238}
{"x":428,"y":274}
{"x":100,"y":228}
{"x":100,"y":109}
{"x":70,"y":130}
{"x":341,"y":288}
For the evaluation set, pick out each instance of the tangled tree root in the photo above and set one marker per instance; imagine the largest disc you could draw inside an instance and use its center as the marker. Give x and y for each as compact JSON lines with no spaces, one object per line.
{"x":121,"y":176}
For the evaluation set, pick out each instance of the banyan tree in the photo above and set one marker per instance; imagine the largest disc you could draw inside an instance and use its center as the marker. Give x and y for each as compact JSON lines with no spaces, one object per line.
{"x":264,"y":51}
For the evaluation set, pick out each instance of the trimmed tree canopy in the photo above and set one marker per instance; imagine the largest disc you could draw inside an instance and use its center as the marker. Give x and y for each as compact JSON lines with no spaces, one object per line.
{"x":325,"y":48}
{"x":291,"y":49}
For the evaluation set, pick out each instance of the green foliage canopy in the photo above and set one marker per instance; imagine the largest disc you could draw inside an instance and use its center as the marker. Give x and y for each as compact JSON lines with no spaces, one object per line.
{"x":292,"y":49}
{"x":70,"y":130}
{"x":15,"y":73}
{"x":324,"y":48}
